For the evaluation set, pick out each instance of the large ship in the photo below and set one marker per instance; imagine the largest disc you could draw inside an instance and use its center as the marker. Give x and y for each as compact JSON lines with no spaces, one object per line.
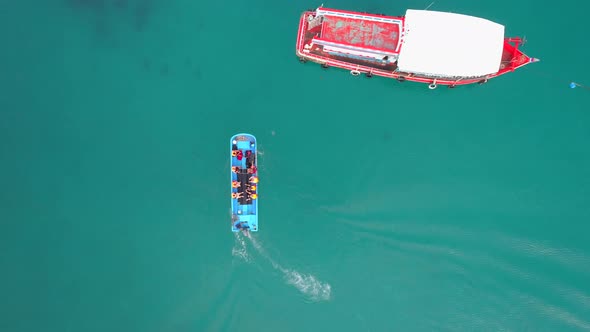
{"x":244,"y":183}
{"x":436,"y":48}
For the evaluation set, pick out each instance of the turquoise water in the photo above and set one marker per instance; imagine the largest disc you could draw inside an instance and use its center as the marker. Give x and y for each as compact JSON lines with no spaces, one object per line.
{"x":383,"y":206}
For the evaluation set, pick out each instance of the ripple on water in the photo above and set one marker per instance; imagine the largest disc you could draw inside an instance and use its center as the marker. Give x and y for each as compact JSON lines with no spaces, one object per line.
{"x":503,"y":271}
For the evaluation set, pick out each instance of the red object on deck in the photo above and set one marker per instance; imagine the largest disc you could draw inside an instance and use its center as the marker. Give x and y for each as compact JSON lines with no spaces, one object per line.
{"x":357,"y":32}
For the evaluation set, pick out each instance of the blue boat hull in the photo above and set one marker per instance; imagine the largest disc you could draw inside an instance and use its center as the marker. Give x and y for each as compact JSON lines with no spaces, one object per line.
{"x":244,"y":182}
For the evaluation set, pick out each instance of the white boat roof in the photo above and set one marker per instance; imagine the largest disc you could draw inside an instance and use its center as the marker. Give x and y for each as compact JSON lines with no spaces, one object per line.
{"x":448,"y":44}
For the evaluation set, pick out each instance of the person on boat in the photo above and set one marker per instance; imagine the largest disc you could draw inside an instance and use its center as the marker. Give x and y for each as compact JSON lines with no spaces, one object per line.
{"x":235,"y":169}
{"x":241,"y":225}
{"x":235,"y":184}
{"x":252,"y":170}
{"x":253,"y":189}
{"x":249,"y":158}
{"x":254,"y":196}
{"x":237,"y":153}
{"x":244,"y":227}
{"x":253,"y":179}
{"x":236,"y":195}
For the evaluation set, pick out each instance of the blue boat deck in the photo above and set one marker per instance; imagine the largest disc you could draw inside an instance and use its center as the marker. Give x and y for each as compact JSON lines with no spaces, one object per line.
{"x":244,"y":184}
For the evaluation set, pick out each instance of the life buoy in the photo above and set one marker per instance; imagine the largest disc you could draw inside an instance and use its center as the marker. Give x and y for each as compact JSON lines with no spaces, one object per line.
{"x":432,"y":86}
{"x":355,"y":72}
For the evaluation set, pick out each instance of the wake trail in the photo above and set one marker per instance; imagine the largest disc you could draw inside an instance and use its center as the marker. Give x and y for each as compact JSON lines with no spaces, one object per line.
{"x":240,"y":250}
{"x":307,"y":284}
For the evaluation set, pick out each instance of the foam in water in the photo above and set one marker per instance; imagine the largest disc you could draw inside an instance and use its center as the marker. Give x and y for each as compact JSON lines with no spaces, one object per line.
{"x":239,"y":249}
{"x":307,"y":284}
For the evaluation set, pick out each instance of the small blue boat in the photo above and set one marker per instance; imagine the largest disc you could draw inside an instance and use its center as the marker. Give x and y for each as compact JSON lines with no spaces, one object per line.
{"x":244,"y":183}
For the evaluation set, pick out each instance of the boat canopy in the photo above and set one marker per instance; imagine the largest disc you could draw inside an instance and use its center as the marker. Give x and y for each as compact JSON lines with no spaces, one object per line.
{"x":450,"y":45}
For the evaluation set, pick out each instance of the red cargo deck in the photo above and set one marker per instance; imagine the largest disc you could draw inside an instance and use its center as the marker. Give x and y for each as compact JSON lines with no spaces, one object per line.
{"x":360,"y":32}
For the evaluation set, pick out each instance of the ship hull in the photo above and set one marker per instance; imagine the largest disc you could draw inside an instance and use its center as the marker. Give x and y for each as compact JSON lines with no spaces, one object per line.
{"x":326,"y":43}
